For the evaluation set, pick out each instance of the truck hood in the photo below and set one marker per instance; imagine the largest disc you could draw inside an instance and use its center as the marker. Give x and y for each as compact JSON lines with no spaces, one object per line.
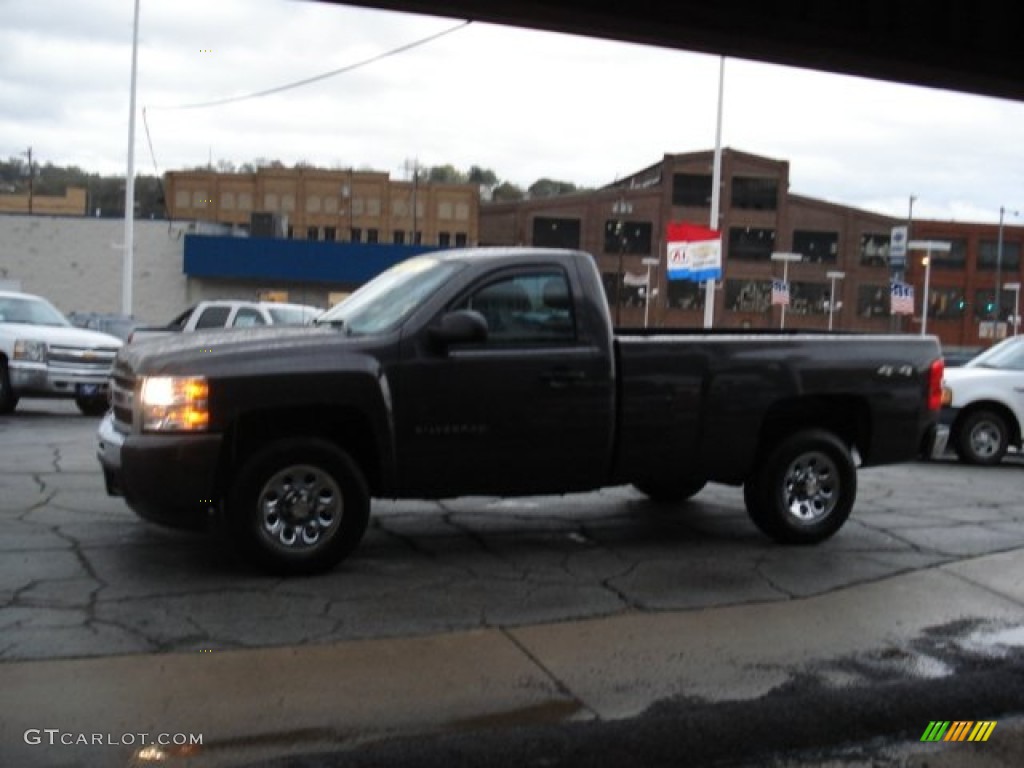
{"x":230,"y":351}
{"x":954,"y":376}
{"x":66,"y":336}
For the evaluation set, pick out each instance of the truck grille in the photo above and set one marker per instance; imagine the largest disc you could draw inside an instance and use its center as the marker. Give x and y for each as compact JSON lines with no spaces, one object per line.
{"x":122,"y":397}
{"x":92,"y":360}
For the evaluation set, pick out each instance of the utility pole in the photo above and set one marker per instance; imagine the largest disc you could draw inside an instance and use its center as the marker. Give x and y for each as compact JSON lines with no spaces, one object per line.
{"x":30,"y":175}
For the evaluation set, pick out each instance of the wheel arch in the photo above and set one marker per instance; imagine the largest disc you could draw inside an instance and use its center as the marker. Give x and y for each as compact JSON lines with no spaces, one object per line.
{"x":846,"y":417}
{"x":347,"y":428}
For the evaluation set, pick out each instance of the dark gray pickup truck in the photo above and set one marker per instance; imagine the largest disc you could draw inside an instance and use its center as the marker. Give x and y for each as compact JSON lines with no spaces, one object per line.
{"x":498,"y":372}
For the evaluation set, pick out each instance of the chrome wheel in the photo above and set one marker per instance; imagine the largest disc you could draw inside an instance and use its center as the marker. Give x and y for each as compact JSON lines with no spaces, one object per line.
{"x":981,"y":437}
{"x":805,"y":488}
{"x":811,"y":487}
{"x":986,"y":439}
{"x":300,"y":508}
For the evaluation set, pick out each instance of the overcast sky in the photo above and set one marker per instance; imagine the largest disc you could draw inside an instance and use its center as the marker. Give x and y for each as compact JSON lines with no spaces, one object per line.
{"x":525,"y":104}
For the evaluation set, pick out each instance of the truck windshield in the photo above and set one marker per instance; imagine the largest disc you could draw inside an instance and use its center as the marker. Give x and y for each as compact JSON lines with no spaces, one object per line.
{"x":389,"y":298}
{"x":1008,"y":355}
{"x":30,"y":311}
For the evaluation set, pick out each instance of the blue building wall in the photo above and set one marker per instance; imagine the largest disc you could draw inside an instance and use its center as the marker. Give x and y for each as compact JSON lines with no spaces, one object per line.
{"x":307,"y":261}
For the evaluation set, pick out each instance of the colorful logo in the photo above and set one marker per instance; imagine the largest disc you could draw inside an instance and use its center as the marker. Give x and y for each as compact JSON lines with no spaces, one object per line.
{"x":958,"y":730}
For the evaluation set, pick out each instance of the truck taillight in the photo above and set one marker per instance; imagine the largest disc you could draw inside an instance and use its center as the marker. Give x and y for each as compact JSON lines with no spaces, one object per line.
{"x":935,"y":385}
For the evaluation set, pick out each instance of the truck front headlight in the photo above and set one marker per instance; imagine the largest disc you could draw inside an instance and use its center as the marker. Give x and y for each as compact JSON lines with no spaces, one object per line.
{"x":30,"y":351}
{"x":175,"y":404}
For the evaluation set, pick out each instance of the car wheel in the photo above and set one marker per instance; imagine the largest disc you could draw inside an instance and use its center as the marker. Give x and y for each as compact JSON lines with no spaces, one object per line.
{"x":670,"y":491}
{"x":298,"y":506}
{"x":92,"y":406}
{"x":8,"y":400}
{"x":981,"y":438}
{"x":805,"y":489}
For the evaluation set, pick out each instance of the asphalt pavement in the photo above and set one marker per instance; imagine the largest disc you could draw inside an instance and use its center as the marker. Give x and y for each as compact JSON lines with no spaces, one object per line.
{"x":541,"y":631}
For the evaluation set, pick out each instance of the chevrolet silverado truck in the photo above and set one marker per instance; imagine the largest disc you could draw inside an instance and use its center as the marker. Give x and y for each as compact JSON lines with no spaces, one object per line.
{"x":43,"y":355}
{"x":497,"y":372}
{"x":983,"y":404}
{"x":229,"y":313}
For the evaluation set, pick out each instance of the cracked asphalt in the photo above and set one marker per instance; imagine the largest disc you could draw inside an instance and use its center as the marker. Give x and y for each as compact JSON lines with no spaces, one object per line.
{"x":82,"y":576}
{"x":83,"y":580}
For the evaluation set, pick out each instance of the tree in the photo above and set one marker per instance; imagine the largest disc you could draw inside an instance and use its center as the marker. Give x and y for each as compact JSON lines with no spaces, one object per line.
{"x":445,"y":174}
{"x":551,"y":188}
{"x":507,"y":191}
{"x":485,"y":177}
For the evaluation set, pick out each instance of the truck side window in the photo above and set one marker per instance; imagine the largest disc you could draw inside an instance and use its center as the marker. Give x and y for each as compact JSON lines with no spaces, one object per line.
{"x":247,"y":317}
{"x":213,"y":317}
{"x":526,"y":309}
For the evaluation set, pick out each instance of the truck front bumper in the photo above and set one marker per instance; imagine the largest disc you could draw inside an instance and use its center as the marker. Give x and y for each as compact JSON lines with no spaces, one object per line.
{"x":167,"y":479}
{"x":39,"y":380}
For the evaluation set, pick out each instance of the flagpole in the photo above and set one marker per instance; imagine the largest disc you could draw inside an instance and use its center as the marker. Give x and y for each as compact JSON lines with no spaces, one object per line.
{"x":716,"y":185}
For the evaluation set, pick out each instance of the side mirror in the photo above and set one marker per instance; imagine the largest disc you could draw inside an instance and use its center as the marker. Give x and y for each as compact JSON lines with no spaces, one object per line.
{"x":464,"y":326}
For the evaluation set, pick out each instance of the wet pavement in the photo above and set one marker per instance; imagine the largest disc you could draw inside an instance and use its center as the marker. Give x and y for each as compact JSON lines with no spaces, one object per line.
{"x":588,"y":607}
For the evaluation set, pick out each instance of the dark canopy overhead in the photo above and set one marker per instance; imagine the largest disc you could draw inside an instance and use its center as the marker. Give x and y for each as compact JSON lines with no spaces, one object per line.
{"x":974,"y":46}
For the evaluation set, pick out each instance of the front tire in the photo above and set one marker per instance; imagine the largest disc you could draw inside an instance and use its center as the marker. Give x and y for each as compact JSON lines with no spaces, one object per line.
{"x":805,"y":489}
{"x":981,"y":438}
{"x":8,"y":400}
{"x":298,"y":506}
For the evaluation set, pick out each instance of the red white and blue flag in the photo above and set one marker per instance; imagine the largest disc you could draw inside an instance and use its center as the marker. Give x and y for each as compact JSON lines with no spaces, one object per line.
{"x":694,"y":252}
{"x":780,"y":293}
{"x":902,"y":299}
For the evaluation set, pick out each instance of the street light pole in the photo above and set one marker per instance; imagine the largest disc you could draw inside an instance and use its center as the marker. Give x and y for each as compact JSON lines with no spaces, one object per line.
{"x":927,"y":246}
{"x":650,"y":262}
{"x":833,"y":276}
{"x":998,"y":303}
{"x":785,"y":258}
{"x":620,"y":208}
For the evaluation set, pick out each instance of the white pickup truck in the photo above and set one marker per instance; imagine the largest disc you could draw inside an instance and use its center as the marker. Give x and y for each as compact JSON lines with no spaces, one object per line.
{"x":230,"y":313}
{"x":984,"y":403}
{"x":43,"y":355}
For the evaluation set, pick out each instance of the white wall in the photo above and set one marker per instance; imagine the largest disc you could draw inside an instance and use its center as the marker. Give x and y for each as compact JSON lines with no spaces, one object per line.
{"x":75,"y":262}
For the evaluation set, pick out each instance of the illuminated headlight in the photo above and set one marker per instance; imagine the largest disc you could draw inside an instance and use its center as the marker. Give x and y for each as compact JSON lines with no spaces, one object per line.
{"x":30,"y":351}
{"x":175,"y":404}
{"x":947,"y":396}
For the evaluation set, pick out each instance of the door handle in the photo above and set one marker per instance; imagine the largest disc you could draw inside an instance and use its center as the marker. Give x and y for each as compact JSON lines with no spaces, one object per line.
{"x":562,"y":377}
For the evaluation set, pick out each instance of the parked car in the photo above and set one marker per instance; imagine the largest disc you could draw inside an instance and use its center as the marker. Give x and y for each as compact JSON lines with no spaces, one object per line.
{"x":230,"y":313}
{"x":114,"y":324}
{"x":984,"y":403}
{"x":44,"y":355}
{"x":498,"y":372}
{"x":954,"y":357}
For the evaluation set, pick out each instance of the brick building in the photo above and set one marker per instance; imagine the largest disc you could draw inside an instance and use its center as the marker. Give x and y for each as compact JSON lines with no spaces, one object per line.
{"x":625,"y":222}
{"x":333,"y":205}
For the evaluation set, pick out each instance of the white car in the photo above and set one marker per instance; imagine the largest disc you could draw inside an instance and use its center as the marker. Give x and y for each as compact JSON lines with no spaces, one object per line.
{"x":984,"y":403}
{"x":230,"y":313}
{"x":43,"y":355}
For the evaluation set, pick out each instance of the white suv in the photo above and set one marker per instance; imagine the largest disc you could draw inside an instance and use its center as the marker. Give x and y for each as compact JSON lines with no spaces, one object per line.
{"x":985,"y":403}
{"x":43,"y":355}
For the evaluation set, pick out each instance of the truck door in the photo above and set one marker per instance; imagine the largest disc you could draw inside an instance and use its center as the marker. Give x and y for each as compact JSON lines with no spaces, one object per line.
{"x":530,"y":410}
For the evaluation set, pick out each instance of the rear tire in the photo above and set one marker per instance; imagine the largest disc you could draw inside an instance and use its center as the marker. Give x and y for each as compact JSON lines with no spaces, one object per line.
{"x":805,"y":489}
{"x":8,"y":400}
{"x":981,"y":438}
{"x":298,"y":506}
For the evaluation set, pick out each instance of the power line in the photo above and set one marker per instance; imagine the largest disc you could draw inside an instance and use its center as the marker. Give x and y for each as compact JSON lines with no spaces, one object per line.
{"x":323,"y":76}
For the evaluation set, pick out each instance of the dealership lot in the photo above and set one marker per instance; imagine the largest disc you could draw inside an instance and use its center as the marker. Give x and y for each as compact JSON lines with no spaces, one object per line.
{"x":592,"y":606}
